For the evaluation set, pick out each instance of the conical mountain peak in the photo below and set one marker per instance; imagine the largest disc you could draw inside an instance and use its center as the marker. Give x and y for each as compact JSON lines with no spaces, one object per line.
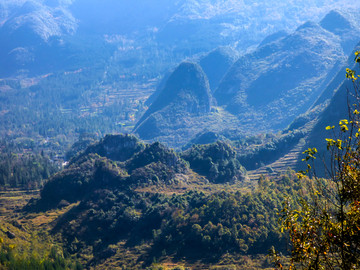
{"x":187,"y":89}
{"x":335,"y":22}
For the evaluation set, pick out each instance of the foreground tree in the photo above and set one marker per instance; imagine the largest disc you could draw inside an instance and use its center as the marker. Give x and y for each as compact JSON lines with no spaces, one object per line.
{"x":325,"y":230}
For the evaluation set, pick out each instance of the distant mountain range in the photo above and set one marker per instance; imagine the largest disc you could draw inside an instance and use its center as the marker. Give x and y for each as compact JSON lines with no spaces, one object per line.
{"x":337,"y":102}
{"x":281,"y":79}
{"x":269,"y":87}
{"x":37,"y":35}
{"x":255,"y":70}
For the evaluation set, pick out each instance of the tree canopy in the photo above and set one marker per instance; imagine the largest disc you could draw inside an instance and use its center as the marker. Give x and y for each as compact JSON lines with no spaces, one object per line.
{"x":325,"y":230}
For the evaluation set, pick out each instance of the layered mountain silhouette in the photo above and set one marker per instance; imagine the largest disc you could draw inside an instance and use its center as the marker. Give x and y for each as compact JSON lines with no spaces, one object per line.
{"x":36,"y":31}
{"x":285,"y":75}
{"x":265,"y":89}
{"x":345,"y":25}
{"x":338,"y":102}
{"x":216,"y":63}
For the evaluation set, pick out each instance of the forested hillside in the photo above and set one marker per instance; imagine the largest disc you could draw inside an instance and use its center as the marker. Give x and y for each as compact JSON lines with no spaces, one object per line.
{"x":188,"y":134}
{"x":156,"y":203}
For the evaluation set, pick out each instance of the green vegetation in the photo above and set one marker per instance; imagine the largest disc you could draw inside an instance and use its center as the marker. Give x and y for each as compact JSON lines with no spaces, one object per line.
{"x":25,"y":170}
{"x":154,"y":165}
{"x":24,"y":246}
{"x":193,"y":225}
{"x":10,"y":260}
{"x":324,"y":231}
{"x":216,"y":161}
{"x":115,"y":147}
{"x":120,"y":203}
{"x":78,"y":179}
{"x":264,"y":151}
{"x":91,"y":169}
{"x":120,"y":208}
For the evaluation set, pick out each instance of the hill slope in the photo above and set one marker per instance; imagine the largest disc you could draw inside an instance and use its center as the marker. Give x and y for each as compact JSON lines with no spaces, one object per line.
{"x":216,"y":63}
{"x":281,"y":79}
{"x":186,"y":94}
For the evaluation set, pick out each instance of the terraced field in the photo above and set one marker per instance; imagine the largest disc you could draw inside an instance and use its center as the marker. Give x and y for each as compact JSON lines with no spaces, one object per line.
{"x":289,"y":160}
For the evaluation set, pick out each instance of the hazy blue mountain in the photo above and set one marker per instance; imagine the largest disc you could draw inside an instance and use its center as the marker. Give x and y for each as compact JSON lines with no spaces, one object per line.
{"x":159,"y":89}
{"x":123,"y":48}
{"x":267,"y":88}
{"x":216,"y":63}
{"x":226,"y":21}
{"x":36,"y":31}
{"x":273,"y":37}
{"x":186,"y":93}
{"x":283,"y":78}
{"x":338,"y":107}
{"x":345,"y":25}
{"x":335,"y":81}
{"x":336,"y":110}
{"x":33,"y":19}
{"x":33,"y":36}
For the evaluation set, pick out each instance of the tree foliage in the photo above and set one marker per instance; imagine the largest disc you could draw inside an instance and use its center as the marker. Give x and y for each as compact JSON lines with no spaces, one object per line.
{"x":23,"y":170}
{"x":216,"y":161}
{"x":325,"y":230}
{"x":191,"y":225}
